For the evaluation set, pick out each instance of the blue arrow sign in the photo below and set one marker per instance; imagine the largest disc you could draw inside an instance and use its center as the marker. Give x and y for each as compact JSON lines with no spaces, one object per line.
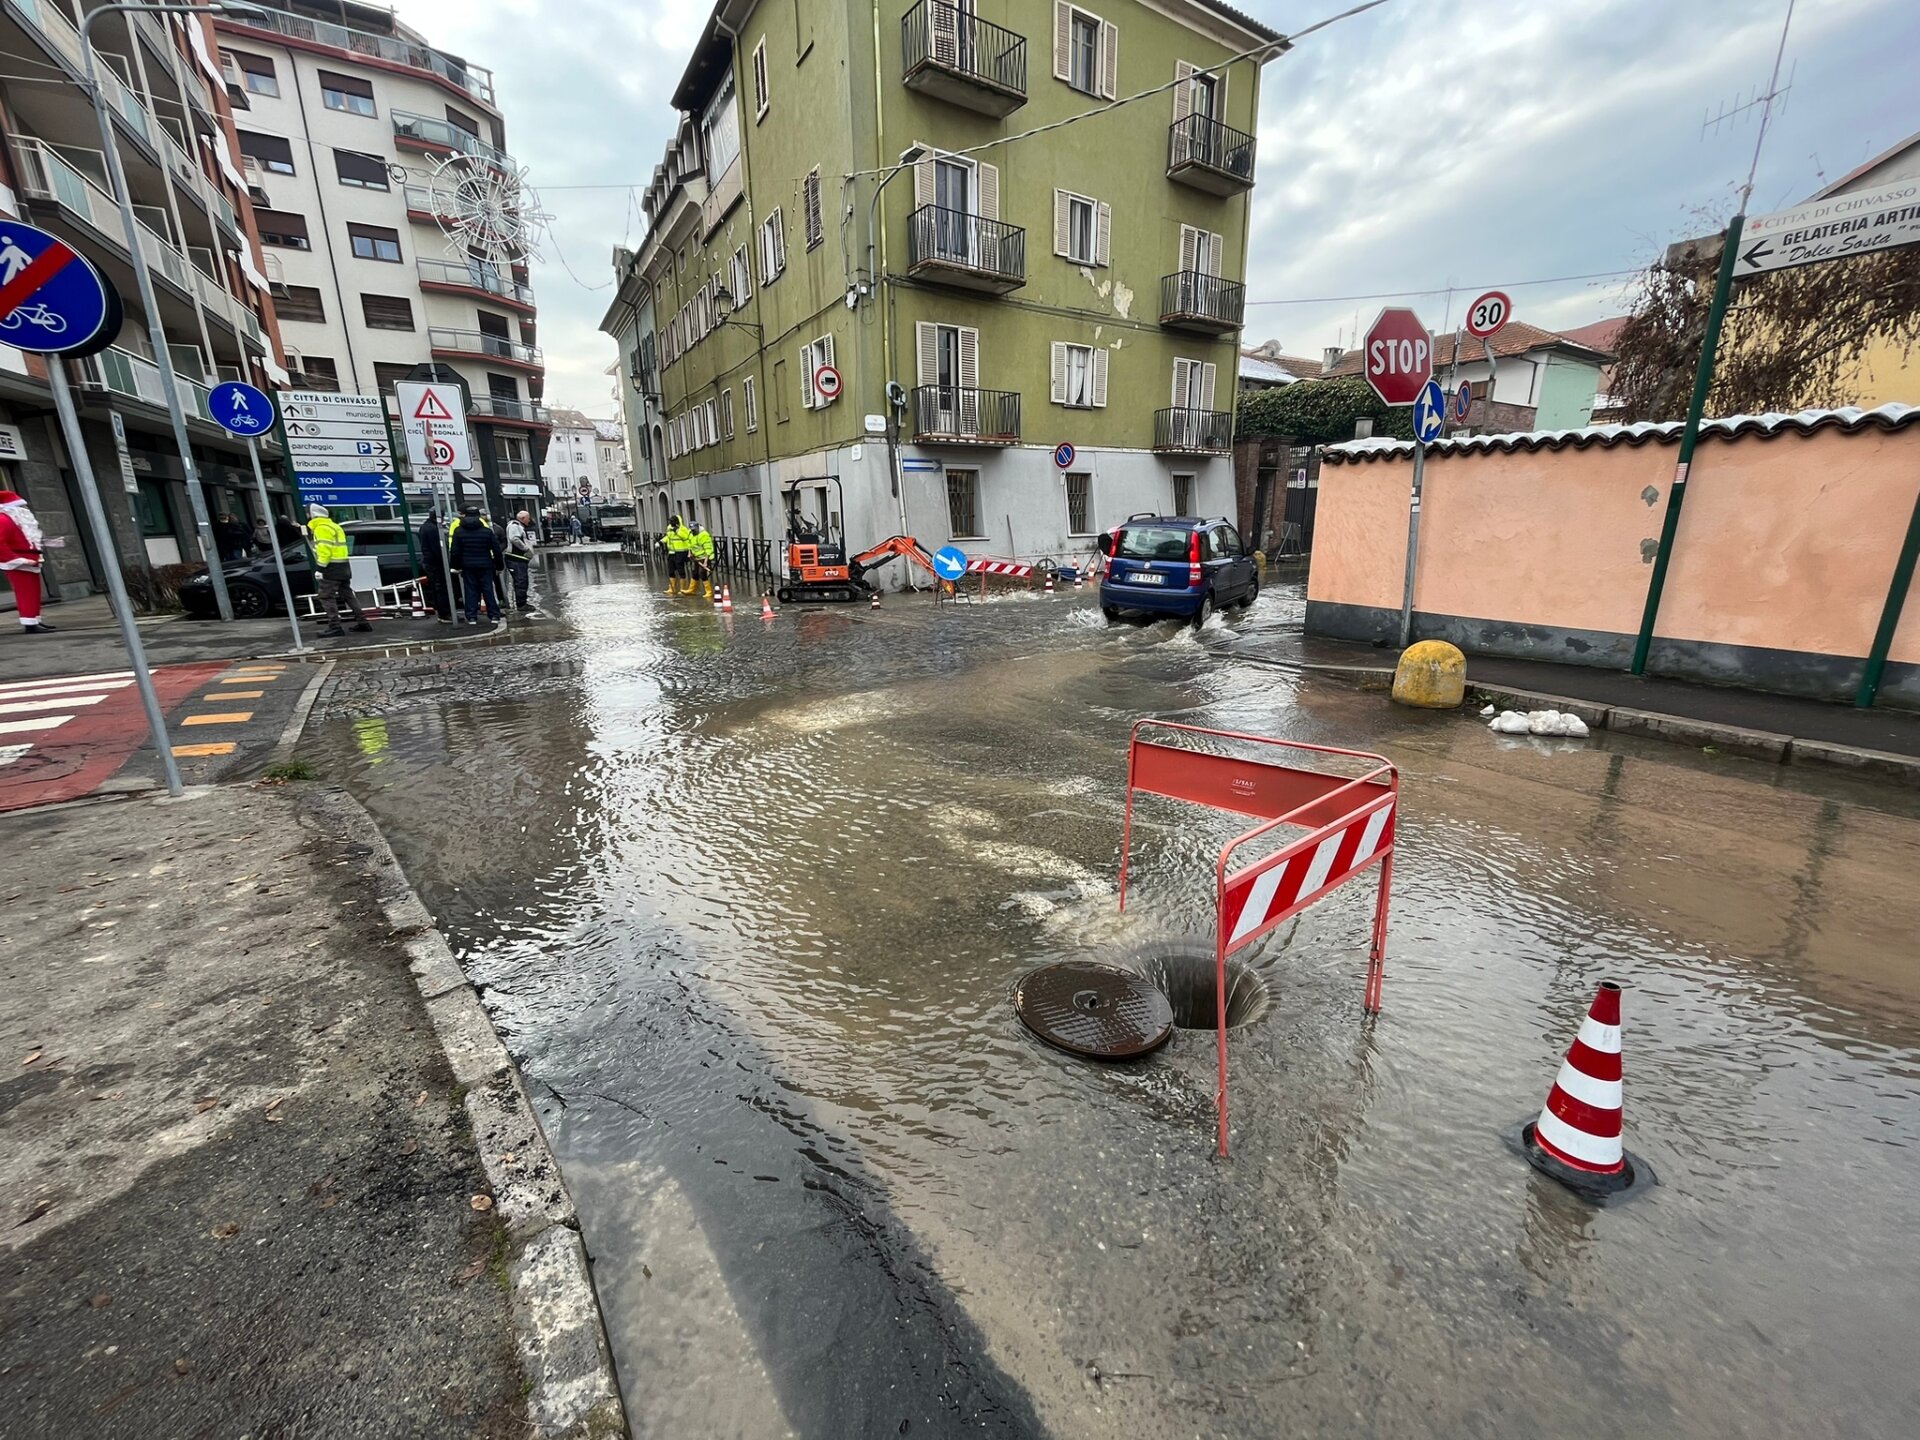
{"x":240,"y":409}
{"x":950,"y":562}
{"x":52,"y":300}
{"x":1430,"y":412}
{"x":328,"y":488}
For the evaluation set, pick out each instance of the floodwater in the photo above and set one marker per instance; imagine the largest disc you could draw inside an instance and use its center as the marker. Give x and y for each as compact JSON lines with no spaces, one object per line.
{"x":747,"y":900}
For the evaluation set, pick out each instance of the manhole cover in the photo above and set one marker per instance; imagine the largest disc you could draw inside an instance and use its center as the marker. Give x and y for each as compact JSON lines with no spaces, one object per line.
{"x":1096,"y":1010}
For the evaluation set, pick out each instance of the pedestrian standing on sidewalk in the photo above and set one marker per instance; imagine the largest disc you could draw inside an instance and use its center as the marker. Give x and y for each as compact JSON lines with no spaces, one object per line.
{"x":573,"y":530}
{"x":262,"y":537}
{"x":520,"y":557}
{"x":678,"y":542}
{"x":433,"y":559}
{"x":232,"y":536}
{"x":472,"y":546}
{"x":335,"y":573}
{"x":701,"y":548}
{"x":20,"y":560}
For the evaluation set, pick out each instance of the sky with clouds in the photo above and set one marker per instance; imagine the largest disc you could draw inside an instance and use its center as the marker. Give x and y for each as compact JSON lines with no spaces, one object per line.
{"x":1424,"y":145}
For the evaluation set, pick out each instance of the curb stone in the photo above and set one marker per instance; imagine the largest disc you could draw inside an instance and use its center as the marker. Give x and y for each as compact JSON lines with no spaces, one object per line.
{"x":561,"y":1336}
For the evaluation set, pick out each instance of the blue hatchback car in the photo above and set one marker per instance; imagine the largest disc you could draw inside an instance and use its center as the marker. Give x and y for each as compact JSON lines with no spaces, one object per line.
{"x":1176,"y":565}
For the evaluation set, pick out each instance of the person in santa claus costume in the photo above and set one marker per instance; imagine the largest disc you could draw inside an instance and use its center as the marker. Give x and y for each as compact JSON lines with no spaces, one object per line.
{"x":20,"y":560}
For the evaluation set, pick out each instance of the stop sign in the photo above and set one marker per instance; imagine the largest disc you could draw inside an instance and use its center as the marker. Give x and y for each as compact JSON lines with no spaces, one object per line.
{"x":1398,"y":358}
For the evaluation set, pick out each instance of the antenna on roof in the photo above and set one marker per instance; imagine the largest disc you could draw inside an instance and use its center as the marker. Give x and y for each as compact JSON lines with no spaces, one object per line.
{"x":1732,"y":116}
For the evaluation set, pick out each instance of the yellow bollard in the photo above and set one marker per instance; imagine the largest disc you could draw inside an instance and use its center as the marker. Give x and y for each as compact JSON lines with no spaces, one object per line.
{"x":1432,"y":675}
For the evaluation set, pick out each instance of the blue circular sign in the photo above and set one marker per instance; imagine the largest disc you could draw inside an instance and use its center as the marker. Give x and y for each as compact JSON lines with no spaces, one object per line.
{"x":52,"y":300}
{"x":1063,"y":455}
{"x":1430,"y":412}
{"x":950,"y":562}
{"x":241,"y":409}
{"x":1462,"y":401}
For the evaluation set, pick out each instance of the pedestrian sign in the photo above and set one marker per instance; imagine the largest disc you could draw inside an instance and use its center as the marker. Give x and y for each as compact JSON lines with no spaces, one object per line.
{"x":52,"y":300}
{"x":240,"y":409}
{"x":1429,"y":412}
{"x":950,"y":562}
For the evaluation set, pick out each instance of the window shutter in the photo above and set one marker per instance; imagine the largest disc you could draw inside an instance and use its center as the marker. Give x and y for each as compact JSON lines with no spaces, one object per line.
{"x":1062,"y":40}
{"x":806,"y":376}
{"x":922,"y":183}
{"x":1189,"y":248}
{"x":943,"y":21}
{"x":1103,"y":235}
{"x":1216,"y":249}
{"x":1100,"y":354}
{"x":1182,"y":369}
{"x":825,"y":349}
{"x":1062,"y":223}
{"x":1183,"y":91}
{"x":988,"y":177}
{"x":1059,"y":373}
{"x":1109,"y":57}
{"x":810,"y":201}
{"x":926,"y":339}
{"x":1206,"y":386}
{"x":969,"y":358}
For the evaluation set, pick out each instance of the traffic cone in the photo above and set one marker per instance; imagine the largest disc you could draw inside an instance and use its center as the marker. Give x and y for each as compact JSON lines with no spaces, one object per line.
{"x":419,"y":605}
{"x":1079,"y":577}
{"x":874,"y":602}
{"x":1049,"y":582}
{"x":1576,"y":1139}
{"x":766,"y":607}
{"x":726,"y":599}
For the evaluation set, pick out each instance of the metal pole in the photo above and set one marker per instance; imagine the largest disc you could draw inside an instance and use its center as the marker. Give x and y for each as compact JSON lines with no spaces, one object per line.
{"x":1890,"y":614}
{"x":156,"y":331}
{"x":1413,"y":544}
{"x":1689,"y":436}
{"x":300,"y":647}
{"x":406,"y":511}
{"x":110,"y":562}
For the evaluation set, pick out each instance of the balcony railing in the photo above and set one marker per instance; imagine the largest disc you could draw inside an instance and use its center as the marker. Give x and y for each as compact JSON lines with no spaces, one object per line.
{"x":1193,"y":432}
{"x":966,"y":250}
{"x":1210,"y":156}
{"x":124,"y":373}
{"x":473,"y":79}
{"x":478,"y":342}
{"x":957,"y":415}
{"x":957,"y":56}
{"x":519,"y":471}
{"x":1195,"y":301}
{"x":444,"y":134}
{"x":45,"y":175}
{"x":475,"y":275}
{"x":492,"y":407}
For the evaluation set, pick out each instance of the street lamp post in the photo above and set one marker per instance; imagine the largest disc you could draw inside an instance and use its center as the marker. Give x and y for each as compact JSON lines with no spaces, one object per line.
{"x":117,"y":177}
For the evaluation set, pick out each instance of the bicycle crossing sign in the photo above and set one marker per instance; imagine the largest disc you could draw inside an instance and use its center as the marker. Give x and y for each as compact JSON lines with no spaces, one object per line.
{"x":431,"y":419}
{"x":52,"y":300}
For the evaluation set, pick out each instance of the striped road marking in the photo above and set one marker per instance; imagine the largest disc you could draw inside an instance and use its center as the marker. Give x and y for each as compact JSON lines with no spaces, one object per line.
{"x":11,"y":753}
{"x":70,"y":679}
{"x":189,"y":752}
{"x":52,"y":702}
{"x":44,"y":722}
{"x":233,"y":694}
{"x":230,"y":717}
{"x":25,"y":691}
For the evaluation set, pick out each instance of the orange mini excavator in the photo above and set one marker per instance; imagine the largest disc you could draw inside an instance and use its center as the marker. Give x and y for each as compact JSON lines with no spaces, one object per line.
{"x":818,"y":567}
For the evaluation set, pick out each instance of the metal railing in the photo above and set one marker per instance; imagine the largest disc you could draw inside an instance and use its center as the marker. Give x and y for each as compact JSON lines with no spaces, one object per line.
{"x":492,"y":407}
{"x":1192,"y":295}
{"x":474,"y":79}
{"x":47,"y":175}
{"x":475,"y":275}
{"x":408,"y":126}
{"x":1198,"y":140}
{"x":937,"y":236}
{"x":1196,"y":432}
{"x":952,"y":412}
{"x":419,"y":198}
{"x":942,"y":35}
{"x":124,"y":373}
{"x":478,"y":342}
{"x":518,"y":471}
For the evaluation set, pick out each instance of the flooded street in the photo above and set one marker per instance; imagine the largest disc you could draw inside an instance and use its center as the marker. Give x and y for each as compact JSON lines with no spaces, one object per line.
{"x":747,"y":899}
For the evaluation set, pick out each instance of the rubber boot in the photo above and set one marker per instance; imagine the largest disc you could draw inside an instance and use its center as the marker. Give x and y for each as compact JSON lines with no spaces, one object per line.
{"x":707,"y":593}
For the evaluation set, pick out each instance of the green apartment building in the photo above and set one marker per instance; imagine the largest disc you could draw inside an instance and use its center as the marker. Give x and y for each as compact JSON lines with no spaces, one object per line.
{"x":860,"y":264}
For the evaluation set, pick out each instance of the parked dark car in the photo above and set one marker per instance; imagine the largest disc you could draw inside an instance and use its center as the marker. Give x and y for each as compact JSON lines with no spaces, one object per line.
{"x":254,"y":588}
{"x":1176,"y":565}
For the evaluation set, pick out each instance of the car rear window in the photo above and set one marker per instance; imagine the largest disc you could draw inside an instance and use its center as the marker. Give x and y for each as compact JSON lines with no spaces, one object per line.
{"x":1154,"y":542}
{"x":364,"y":540}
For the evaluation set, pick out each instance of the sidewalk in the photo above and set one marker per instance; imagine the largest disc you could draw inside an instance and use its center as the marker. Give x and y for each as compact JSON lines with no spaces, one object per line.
{"x":262,"y":1179}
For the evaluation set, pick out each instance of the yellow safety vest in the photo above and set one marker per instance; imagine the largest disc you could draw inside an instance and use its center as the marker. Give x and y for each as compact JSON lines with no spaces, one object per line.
{"x":329,"y":541}
{"x":702,"y":545}
{"x":678,"y":537}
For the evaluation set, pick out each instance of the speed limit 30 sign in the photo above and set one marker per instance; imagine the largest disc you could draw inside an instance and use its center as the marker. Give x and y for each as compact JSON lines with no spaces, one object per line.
{"x":1487,"y":314}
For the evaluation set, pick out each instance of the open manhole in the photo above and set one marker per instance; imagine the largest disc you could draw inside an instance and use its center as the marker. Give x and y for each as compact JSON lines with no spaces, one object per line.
{"x":1099,"y":1011}
{"x":1189,"y":980}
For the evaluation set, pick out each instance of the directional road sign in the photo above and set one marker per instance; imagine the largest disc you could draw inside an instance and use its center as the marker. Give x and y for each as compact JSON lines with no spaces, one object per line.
{"x":1430,"y":412}
{"x":354,"y":449}
{"x":52,"y":300}
{"x":950,"y":562}
{"x":434,"y":412}
{"x":241,"y":409}
{"x":333,"y":488}
{"x":340,"y":448}
{"x":1397,"y":355}
{"x":1840,"y":225}
{"x":336,"y":430}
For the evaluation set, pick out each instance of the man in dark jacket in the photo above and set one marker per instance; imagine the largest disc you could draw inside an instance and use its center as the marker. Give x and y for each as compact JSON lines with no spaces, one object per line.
{"x":434,"y":564}
{"x":474,"y":549}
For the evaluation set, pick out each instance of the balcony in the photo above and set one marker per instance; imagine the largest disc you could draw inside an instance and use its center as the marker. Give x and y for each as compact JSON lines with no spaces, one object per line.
{"x":1210,"y":156}
{"x":952,"y":415}
{"x":476,"y":277}
{"x":478,"y":342}
{"x":1190,"y":300}
{"x":443,"y":137}
{"x":47,"y":177}
{"x":471,"y":79}
{"x":121,"y":372}
{"x":966,"y":251}
{"x":509,"y":412}
{"x":1192,"y":432}
{"x":962,"y":59}
{"x":517,"y":472}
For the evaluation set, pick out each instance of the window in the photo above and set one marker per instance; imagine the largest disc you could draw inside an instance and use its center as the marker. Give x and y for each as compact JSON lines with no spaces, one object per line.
{"x":963,"y":504}
{"x":726,"y":414}
{"x":720,"y":131}
{"x":313,"y":372}
{"x":1079,"y":504}
{"x":742,"y":277}
{"x":385,"y":377}
{"x":344,"y":92}
{"x":282,"y":228}
{"x":387,"y":312}
{"x":760,"y":81}
{"x":374,"y":242}
{"x":1086,"y":50}
{"x":1183,"y":494}
{"x":367,"y":172}
{"x":1201,"y":251}
{"x":810,"y":202}
{"x":1082,"y":229}
{"x":750,"y":403}
{"x":1192,"y":385}
{"x":815,"y":355}
{"x":273,"y":152}
{"x":1079,"y":376}
{"x":257,"y":69}
{"x":299,"y":302}
{"x":504,"y":388}
{"x":780,"y":392}
{"x":773,"y":247}
{"x":464,"y":122}
{"x":713,"y":428}
{"x":1084,"y":56}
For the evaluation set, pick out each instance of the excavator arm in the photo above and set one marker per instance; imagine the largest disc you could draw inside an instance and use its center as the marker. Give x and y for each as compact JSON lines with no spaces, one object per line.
{"x":900,"y":545}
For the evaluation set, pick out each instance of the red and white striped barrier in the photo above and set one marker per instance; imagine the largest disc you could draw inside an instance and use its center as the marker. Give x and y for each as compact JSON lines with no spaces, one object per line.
{"x":1577,"y":1137}
{"x":1348,"y":820}
{"x":999,"y":567}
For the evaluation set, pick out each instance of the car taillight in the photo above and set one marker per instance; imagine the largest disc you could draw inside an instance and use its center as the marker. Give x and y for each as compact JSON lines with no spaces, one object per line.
{"x":1193,"y":559}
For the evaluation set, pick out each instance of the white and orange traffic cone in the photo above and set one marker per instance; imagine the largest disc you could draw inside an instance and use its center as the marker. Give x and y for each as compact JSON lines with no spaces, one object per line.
{"x":726,"y":599}
{"x":419,"y":605}
{"x":1577,"y":1137}
{"x":873,"y":602}
{"x":1079,"y":577}
{"x":1049,"y":582}
{"x":767,"y":611}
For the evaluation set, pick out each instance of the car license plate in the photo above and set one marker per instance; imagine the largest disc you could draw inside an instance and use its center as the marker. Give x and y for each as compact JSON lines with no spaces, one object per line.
{"x":1149,"y":577}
